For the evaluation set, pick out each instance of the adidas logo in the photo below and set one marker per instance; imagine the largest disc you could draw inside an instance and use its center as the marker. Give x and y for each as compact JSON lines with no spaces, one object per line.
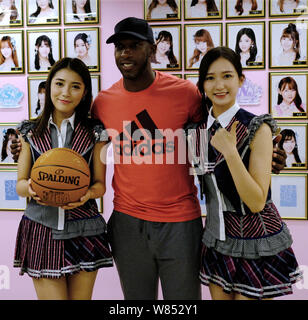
{"x":142,"y":141}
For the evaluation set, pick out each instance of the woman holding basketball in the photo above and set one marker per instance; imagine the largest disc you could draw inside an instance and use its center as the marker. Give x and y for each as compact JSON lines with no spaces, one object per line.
{"x":63,"y":248}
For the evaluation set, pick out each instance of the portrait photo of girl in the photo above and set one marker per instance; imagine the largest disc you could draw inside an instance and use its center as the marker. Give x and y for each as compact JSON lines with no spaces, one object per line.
{"x":162,"y":9}
{"x":43,"y":50}
{"x":10,"y":13}
{"x":294,"y":142}
{"x":245,"y":8}
{"x":81,"y":11}
{"x":199,"y":39}
{"x":84,"y":45}
{"x":248,"y":43}
{"x":200,"y":9}
{"x":288,"y":95}
{"x":11,"y":52}
{"x":167,"y":55}
{"x":36,"y":95}
{"x":7,"y":134}
{"x":288,"y":7}
{"x":43,"y":12}
{"x":288,"y":45}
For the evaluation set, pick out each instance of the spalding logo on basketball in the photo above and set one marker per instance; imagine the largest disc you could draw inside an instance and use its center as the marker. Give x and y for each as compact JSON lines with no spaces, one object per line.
{"x":60,"y":176}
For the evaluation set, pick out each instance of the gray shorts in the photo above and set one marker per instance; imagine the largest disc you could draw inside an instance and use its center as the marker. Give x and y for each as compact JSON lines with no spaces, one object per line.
{"x":146,"y":251}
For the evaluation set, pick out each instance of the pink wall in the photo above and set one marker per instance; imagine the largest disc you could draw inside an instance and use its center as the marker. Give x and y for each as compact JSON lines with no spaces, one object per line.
{"x":107,"y":285}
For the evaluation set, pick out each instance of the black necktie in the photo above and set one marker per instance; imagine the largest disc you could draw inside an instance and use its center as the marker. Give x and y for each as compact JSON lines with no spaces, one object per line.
{"x":212,"y":152}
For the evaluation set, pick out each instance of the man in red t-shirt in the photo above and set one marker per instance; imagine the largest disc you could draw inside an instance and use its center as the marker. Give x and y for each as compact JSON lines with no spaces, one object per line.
{"x":155,"y":229}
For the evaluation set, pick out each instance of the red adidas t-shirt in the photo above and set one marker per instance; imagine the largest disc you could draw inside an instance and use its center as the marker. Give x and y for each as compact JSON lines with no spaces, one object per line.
{"x":152,"y":180}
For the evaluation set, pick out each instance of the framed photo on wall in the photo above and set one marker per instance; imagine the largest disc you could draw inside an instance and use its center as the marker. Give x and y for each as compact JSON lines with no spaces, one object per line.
{"x":83,"y":44}
{"x":289,"y":195}
{"x":156,"y":10}
{"x":294,"y":143}
{"x":288,"y":44}
{"x":11,"y":13}
{"x":192,"y":77}
{"x":9,"y":199}
{"x":81,"y":11}
{"x":288,"y":94}
{"x":287,"y":8}
{"x":200,"y":10}
{"x":236,"y":9}
{"x":44,"y":49}
{"x":7,"y":134}
{"x":43,"y":12}
{"x":11,"y":51}
{"x":248,"y":42}
{"x":36,"y":95}
{"x":199,"y":38}
{"x":168,"y":47}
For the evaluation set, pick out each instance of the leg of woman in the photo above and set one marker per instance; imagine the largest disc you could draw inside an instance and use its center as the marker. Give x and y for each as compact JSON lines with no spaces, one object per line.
{"x":51,"y":289}
{"x":217,"y":293}
{"x":80,"y":285}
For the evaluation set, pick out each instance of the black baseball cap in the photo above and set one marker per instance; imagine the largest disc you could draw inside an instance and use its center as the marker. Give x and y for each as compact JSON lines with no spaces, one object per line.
{"x":132,"y":26}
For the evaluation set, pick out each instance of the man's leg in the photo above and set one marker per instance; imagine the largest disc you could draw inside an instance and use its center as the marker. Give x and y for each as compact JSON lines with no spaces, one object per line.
{"x":134,"y":259}
{"x":179,"y":260}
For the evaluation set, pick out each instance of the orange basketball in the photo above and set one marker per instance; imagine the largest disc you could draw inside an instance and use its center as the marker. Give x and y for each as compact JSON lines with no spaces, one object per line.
{"x":60,"y":176}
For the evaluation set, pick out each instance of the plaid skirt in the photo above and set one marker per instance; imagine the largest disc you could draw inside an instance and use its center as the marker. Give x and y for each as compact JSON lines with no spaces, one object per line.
{"x":266,"y":277}
{"x":40,"y":256}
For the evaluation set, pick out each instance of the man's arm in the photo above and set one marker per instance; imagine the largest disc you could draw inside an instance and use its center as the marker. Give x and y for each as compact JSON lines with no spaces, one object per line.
{"x":279,"y":156}
{"x":15,"y":149}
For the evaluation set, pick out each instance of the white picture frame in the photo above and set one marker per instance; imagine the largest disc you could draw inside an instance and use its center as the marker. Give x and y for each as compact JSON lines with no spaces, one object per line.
{"x":289,"y":196}
{"x":50,"y":38}
{"x":294,"y":142}
{"x":12,"y":40}
{"x":87,"y":38}
{"x":9,"y":199}
{"x":284,"y":86}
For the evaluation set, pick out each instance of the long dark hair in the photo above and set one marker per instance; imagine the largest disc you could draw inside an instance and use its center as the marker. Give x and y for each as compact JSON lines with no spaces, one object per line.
{"x":253,"y":49}
{"x":38,"y":42}
{"x":293,"y":85}
{"x":38,"y":10}
{"x":210,"y":57}
{"x":5,"y":141}
{"x":83,"y":109}
{"x":210,"y":5}
{"x":288,"y":134}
